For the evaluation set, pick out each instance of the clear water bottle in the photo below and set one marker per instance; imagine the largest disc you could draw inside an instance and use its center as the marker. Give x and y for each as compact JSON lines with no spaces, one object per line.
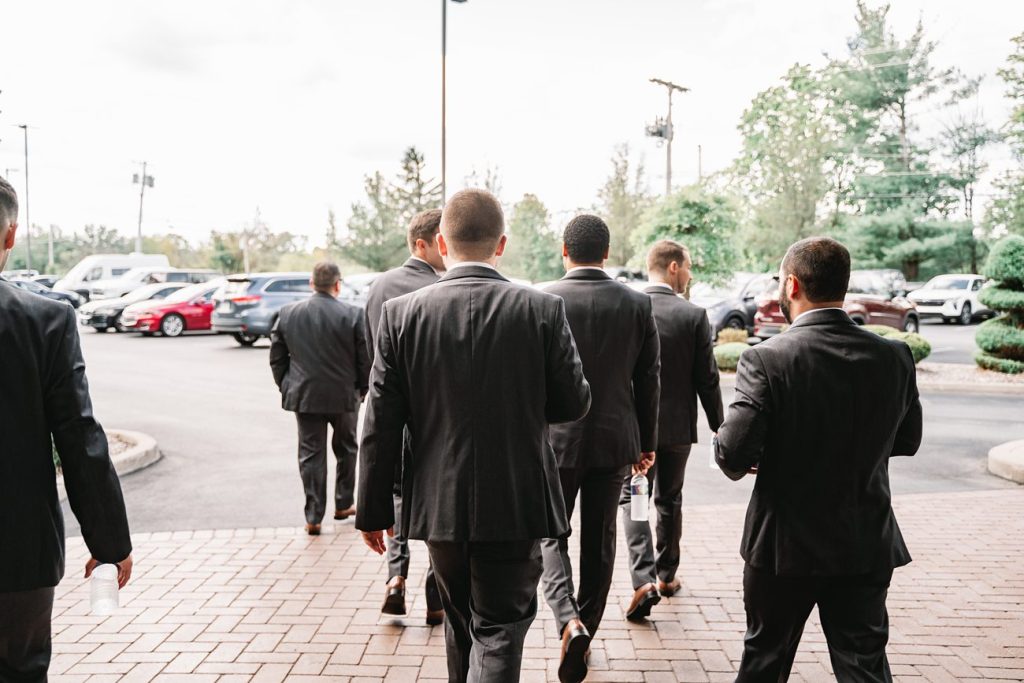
{"x":639,"y":498}
{"x":103,"y":590}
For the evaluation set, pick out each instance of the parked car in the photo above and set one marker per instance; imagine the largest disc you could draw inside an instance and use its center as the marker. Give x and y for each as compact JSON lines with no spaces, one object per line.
{"x":47,"y":281}
{"x":355,"y":288}
{"x":733,"y":305}
{"x":186,"y":310}
{"x":953,"y":298}
{"x":104,"y":267}
{"x":147,"y":275}
{"x":246,"y":306}
{"x":36,"y":288}
{"x":868,"y":302}
{"x":106,"y":314}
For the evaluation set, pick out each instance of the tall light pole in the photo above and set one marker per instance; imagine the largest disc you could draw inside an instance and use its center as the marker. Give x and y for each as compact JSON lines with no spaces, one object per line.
{"x":444,"y":132}
{"x":142,"y":181}
{"x":663,"y":129}
{"x":28,"y":218}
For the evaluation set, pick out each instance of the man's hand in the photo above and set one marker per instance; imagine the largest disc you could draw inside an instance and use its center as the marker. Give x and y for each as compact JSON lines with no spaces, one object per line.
{"x":124,"y":570}
{"x":375,"y":539}
{"x":646,"y":462}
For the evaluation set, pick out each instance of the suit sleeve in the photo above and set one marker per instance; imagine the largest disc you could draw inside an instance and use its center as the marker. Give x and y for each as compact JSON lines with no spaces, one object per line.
{"x":380,"y":452}
{"x":647,"y":383}
{"x":740,"y":441}
{"x":908,"y":435}
{"x":568,"y":392}
{"x":280,"y":358}
{"x":362,"y":355}
{"x":94,"y":491}
{"x":705,"y":375}
{"x":372,"y":318}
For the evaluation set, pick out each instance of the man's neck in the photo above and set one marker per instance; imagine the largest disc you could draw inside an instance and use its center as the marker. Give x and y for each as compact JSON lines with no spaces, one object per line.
{"x":569,"y":265}
{"x":457,"y":262}
{"x":811,"y":308}
{"x":657,"y":281}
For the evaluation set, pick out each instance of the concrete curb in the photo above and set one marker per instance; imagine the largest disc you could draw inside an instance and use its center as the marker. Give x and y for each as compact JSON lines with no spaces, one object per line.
{"x":980,"y":388}
{"x":1007,"y":461}
{"x":143,"y":454}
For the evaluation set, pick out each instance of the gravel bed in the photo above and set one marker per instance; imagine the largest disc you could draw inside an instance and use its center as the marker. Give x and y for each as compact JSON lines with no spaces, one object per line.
{"x":953,"y":373}
{"x":118,"y":444}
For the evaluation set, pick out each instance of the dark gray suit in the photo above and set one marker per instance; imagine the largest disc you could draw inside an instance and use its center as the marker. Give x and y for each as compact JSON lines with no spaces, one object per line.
{"x":320,"y":364}
{"x":46,"y":396}
{"x":820,"y":410}
{"x":688,"y":371}
{"x":412,"y":275}
{"x":482,"y":485}
{"x":617,"y":338}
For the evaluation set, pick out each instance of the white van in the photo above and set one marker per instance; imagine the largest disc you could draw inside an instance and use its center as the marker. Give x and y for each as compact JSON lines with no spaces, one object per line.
{"x":147,"y":275}
{"x":104,"y":267}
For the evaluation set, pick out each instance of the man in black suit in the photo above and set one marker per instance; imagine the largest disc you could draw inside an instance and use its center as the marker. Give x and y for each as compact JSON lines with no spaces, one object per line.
{"x":419,"y":270}
{"x":617,"y":338}
{"x":475,"y":368}
{"x":817,"y":414}
{"x":46,"y":397}
{"x":688,"y":371}
{"x":319,"y":361}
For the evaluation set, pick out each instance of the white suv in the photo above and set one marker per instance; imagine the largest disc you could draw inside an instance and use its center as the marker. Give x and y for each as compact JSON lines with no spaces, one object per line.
{"x":138,"y":277}
{"x":950,"y":297}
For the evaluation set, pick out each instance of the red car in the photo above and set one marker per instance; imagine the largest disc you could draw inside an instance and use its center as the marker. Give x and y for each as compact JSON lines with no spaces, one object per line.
{"x":868,"y":302}
{"x":188,"y":309}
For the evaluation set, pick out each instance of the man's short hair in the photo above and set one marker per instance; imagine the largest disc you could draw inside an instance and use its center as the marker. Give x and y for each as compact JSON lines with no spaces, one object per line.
{"x":424,"y":226}
{"x":586,"y":239}
{"x":822,"y":265}
{"x":664,"y":252}
{"x":8,"y":204}
{"x":472,"y":223}
{"x":325,"y":276}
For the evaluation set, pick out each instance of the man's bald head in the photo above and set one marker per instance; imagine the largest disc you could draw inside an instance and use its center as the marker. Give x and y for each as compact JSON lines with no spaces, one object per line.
{"x":472,"y":224}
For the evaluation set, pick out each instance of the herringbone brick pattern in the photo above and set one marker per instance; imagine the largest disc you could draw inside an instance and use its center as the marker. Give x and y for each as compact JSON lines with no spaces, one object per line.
{"x":268,"y":605}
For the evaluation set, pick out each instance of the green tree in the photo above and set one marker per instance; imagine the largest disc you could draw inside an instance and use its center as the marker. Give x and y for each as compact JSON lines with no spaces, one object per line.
{"x":623,"y":199}
{"x":413,"y":192}
{"x":534,"y":250}
{"x":706,"y":223}
{"x":1006,"y":212}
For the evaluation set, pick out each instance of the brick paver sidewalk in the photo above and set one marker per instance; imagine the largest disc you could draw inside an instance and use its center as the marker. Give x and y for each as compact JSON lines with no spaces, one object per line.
{"x":273,"y":604}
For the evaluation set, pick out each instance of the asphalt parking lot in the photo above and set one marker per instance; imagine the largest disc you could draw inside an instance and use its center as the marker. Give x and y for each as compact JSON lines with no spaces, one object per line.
{"x":950,"y":343}
{"x":229,"y":449}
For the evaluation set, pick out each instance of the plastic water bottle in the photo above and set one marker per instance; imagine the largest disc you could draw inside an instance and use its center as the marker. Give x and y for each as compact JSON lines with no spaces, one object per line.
{"x":103,"y":590}
{"x":639,"y":498}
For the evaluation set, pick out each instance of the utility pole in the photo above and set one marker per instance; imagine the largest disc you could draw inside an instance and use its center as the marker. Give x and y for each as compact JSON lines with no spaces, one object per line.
{"x":662,"y":128}
{"x":142,"y":181}
{"x":49,"y":250}
{"x":444,"y":103}
{"x":700,"y":164}
{"x":28,"y":218}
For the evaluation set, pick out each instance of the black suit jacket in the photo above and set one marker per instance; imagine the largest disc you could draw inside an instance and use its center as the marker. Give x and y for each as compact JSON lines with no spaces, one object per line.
{"x":44,"y":395}
{"x":412,"y":275}
{"x":476,"y":368}
{"x":618,"y":343}
{"x":318,"y":355}
{"x":688,"y":368}
{"x":820,"y":410}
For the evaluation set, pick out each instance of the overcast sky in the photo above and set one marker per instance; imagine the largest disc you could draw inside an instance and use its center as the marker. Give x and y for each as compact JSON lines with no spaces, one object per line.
{"x":285,"y":106}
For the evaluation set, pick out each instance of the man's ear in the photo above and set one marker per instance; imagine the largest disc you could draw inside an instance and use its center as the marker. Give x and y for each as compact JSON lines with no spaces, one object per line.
{"x":442,"y":247}
{"x":9,"y":237}
{"x":501,"y":245}
{"x":565,"y":251}
{"x":606,"y":252}
{"x":795,"y":290}
{"x":673,"y":267}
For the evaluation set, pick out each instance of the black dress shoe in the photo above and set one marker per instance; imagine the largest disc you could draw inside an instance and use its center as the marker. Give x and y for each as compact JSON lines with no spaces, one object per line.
{"x":435,"y":617}
{"x":645,"y":598}
{"x":575,"y":645}
{"x":394,"y":598}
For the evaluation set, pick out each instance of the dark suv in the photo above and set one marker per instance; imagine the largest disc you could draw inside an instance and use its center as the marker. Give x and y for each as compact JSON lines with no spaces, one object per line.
{"x":246,"y":307}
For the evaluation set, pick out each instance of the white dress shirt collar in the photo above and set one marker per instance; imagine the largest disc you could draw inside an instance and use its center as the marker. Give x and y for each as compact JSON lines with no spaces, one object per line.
{"x":464,"y":264}
{"x":597,"y":268}
{"x":662,"y":285}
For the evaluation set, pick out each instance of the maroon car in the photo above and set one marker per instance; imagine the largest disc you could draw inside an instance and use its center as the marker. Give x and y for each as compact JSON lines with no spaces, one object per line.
{"x":868,"y":302}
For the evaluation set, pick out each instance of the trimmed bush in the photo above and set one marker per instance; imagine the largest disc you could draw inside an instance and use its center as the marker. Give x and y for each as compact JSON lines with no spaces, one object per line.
{"x":919,"y":346}
{"x":731,"y":336}
{"x":881,"y":330}
{"x":728,"y":355}
{"x":1001,"y":339}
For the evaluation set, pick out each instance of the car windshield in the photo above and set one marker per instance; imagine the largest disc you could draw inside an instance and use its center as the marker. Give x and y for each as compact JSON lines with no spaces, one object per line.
{"x":144,"y":293}
{"x":948,"y":282}
{"x":188,"y":293}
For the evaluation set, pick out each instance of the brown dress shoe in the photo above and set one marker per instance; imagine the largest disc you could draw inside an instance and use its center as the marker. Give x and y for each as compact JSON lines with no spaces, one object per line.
{"x":669,"y":589}
{"x":344,"y":514}
{"x":644,"y":599}
{"x":435,"y":617}
{"x":313,"y":529}
{"x":575,"y":645}
{"x":394,"y":597}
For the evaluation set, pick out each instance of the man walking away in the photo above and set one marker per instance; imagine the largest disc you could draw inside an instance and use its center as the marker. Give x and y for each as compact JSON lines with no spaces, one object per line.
{"x":688,"y":371}
{"x":45,"y":404}
{"x":818,"y":412}
{"x":615,"y":331}
{"x":318,"y":357}
{"x":476,"y":368}
{"x":419,"y":270}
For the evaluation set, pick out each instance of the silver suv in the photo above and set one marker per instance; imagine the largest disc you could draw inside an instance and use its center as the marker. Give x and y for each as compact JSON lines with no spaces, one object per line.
{"x":246,"y":307}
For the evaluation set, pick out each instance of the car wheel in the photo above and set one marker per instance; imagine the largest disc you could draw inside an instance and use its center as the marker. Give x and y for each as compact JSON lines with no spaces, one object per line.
{"x":965,"y":314}
{"x":118,"y":326}
{"x":858,"y":320}
{"x":246,"y":338}
{"x":100,"y":329}
{"x":735,"y":323}
{"x":172,"y":325}
{"x":910,"y":324}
